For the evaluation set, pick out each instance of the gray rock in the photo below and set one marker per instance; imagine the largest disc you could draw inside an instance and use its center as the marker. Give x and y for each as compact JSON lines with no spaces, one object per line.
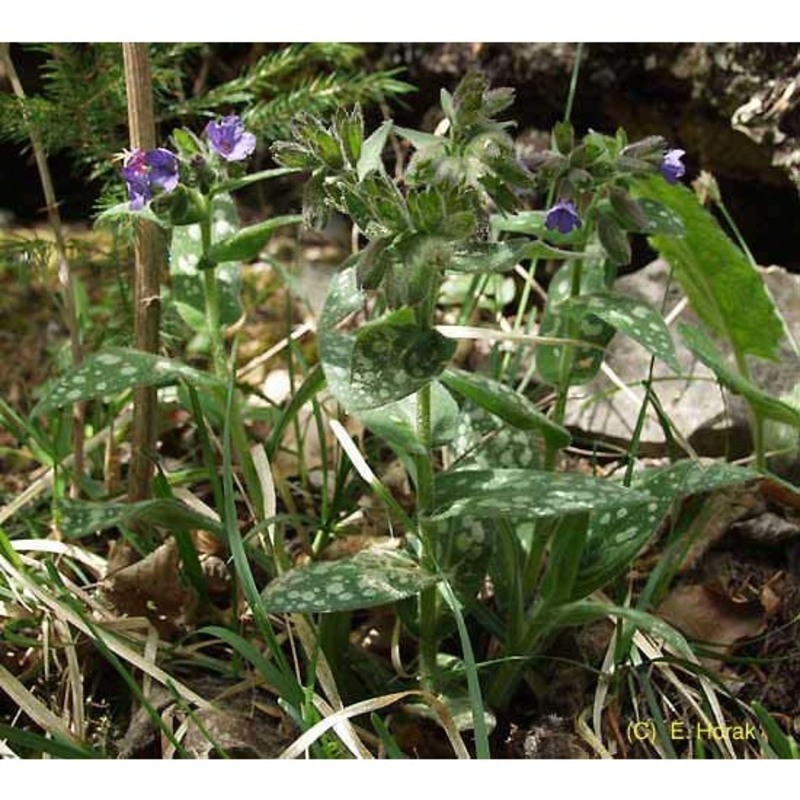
{"x":714,"y":422}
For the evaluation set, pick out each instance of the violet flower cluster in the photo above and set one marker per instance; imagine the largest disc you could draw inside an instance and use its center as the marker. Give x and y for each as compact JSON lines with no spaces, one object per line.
{"x":147,"y":173}
{"x":563,"y":216}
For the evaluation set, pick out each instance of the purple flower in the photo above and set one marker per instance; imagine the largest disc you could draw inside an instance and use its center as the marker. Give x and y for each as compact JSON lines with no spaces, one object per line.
{"x":144,"y":170}
{"x":671,"y":167}
{"x":229,"y":139}
{"x":563,"y":216}
{"x":135,"y":173}
{"x":163,"y":168}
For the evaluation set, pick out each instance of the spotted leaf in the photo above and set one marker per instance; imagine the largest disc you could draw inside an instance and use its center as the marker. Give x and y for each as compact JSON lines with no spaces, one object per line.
{"x":617,"y":535}
{"x":527,"y":494}
{"x":115,"y":370}
{"x":631,"y":317}
{"x":396,"y":423}
{"x":78,"y":518}
{"x":370,"y":578}
{"x":504,"y":402}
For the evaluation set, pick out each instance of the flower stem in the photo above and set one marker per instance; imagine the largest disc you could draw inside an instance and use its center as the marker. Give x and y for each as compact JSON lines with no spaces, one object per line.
{"x":213,"y":322}
{"x":425,"y":504}
{"x":565,"y":368}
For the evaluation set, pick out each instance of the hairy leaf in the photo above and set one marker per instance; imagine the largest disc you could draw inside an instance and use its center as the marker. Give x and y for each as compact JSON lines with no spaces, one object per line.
{"x":715,"y":274}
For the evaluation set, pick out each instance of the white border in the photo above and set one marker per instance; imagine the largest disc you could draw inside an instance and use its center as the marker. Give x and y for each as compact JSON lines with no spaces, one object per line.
{"x":394,"y":20}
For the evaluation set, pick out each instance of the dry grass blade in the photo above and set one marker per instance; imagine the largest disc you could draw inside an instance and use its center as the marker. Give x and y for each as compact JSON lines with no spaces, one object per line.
{"x":64,"y":612}
{"x":34,"y":708}
{"x":653,"y":653}
{"x":299,"y":746}
{"x":491,"y":334}
{"x":94,"y":562}
{"x":75,"y":681}
{"x":301,"y":331}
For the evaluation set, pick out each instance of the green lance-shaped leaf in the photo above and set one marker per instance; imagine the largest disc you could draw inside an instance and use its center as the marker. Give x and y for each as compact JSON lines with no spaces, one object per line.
{"x":253,"y":177}
{"x":769,"y":407}
{"x":372,"y":150}
{"x":617,"y":535}
{"x":527,"y":494}
{"x":661,"y":219}
{"x":187,"y":282}
{"x":586,"y":361}
{"x":584,"y":612}
{"x":77,"y":518}
{"x":504,"y":402}
{"x":632,"y":317}
{"x":246,"y":244}
{"x":115,"y":370}
{"x":396,"y":423}
{"x":370,"y":578}
{"x":715,"y":274}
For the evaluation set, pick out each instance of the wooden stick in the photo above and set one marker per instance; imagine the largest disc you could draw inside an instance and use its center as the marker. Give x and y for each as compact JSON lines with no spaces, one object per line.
{"x":147,"y":281}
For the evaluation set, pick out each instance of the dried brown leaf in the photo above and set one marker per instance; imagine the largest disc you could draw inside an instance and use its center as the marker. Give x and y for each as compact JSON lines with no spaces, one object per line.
{"x":707,"y":613}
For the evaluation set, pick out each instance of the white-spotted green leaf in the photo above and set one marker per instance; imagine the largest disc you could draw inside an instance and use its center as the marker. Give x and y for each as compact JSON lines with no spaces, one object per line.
{"x":187,"y":279}
{"x":527,"y":494}
{"x":633,"y":318}
{"x":723,"y":286}
{"x":115,"y":370}
{"x":617,"y":535}
{"x":769,"y":407}
{"x":586,"y":361}
{"x":484,"y":441}
{"x":370,"y":578}
{"x":661,"y":218}
{"x":504,"y":402}
{"x":466,"y":546}
{"x":372,"y":150}
{"x":77,"y":518}
{"x":395,"y":361}
{"x":344,"y":298}
{"x":396,"y":423}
